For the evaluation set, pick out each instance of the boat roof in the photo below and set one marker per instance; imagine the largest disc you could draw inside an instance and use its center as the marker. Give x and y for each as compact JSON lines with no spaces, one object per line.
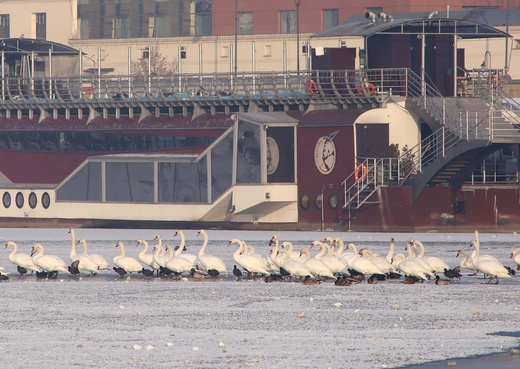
{"x":28,"y":45}
{"x":465,"y":24}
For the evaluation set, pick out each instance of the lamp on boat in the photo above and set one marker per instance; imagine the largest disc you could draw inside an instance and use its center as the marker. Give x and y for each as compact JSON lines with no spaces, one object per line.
{"x":433,"y":14}
{"x":370,"y":15}
{"x":385,"y":17}
{"x":268,"y":195}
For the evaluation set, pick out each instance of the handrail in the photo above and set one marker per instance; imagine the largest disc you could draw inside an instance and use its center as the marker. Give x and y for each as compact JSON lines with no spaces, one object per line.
{"x":352,"y":86}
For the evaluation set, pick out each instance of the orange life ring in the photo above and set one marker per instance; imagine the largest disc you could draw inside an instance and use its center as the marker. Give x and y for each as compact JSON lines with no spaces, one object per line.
{"x":88,"y":92}
{"x":499,"y":80}
{"x":312,"y":87}
{"x":361,"y":173}
{"x":364,"y":86}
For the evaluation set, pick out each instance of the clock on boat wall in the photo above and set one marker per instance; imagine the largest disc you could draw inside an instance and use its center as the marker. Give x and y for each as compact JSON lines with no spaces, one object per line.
{"x":325,"y":153}
{"x":273,"y":155}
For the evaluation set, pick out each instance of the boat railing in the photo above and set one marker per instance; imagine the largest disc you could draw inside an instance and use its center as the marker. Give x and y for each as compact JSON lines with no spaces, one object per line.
{"x":369,"y":175}
{"x":346,"y":86}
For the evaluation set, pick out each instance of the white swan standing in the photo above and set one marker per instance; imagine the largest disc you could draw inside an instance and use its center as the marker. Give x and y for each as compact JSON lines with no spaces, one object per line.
{"x":159,"y":256}
{"x":317,"y":267}
{"x":21,"y":259}
{"x":515,"y":255}
{"x":181,"y":252}
{"x":362,"y":265}
{"x":379,"y":261}
{"x":438,"y":265}
{"x":249,"y":262}
{"x":86,"y":264}
{"x":145,"y":257}
{"x":335,"y":264}
{"x":49,"y":263}
{"x":177,"y":264}
{"x":129,"y":264}
{"x":97,"y":258}
{"x":493,"y":269}
{"x":209,"y":261}
{"x":294,"y":267}
{"x":410,"y":267}
{"x":466,"y":262}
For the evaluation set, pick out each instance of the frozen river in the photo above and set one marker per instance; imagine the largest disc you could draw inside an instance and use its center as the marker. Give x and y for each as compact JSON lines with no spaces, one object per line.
{"x":107,"y":322}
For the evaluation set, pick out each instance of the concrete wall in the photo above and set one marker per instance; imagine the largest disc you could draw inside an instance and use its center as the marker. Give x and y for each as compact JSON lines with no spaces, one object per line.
{"x":61,"y":18}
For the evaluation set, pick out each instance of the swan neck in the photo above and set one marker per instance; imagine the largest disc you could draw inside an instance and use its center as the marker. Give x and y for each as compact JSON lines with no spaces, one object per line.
{"x":203,"y":248}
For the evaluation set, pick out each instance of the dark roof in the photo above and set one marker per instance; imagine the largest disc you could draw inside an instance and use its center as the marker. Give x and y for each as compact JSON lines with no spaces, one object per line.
{"x":27,"y":45}
{"x":469,"y":24}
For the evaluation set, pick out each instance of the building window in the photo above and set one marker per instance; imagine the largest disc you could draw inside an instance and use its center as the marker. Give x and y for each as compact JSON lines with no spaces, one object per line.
{"x":41,"y":25}
{"x":203,"y":18}
{"x":245,"y":23}
{"x":4,"y":26}
{"x":287,"y":21}
{"x":121,"y":27}
{"x":375,"y":9}
{"x":159,"y":26}
{"x":330,"y":18}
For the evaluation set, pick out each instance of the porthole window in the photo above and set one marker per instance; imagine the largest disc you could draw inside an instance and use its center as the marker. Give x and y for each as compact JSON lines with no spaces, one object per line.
{"x":333,"y":200}
{"x":6,"y":199}
{"x":305,"y":201}
{"x":318,"y":201}
{"x":19,"y":200}
{"x":46,"y":200}
{"x":33,"y":200}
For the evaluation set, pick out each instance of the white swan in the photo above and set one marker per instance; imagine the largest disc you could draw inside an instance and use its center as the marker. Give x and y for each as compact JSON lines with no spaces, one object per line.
{"x":294,"y":267}
{"x":412,"y":257}
{"x":379,"y":261}
{"x":362,"y":265}
{"x":145,"y":257}
{"x":181,"y":250}
{"x":515,"y":255}
{"x":209,"y":261}
{"x":177,"y":264}
{"x":49,"y":263}
{"x":390,"y":254}
{"x":97,"y":258}
{"x":438,"y":265}
{"x":128,"y":263}
{"x":249,"y":262}
{"x":159,"y":256}
{"x":492,"y":268}
{"x":290,"y":249}
{"x":335,"y":264}
{"x":410,"y":267}
{"x":316,"y":266}
{"x":21,"y":259}
{"x":86,"y":264}
{"x":466,"y":262}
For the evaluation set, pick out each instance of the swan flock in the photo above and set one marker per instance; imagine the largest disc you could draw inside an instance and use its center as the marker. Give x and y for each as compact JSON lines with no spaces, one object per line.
{"x":330,"y":259}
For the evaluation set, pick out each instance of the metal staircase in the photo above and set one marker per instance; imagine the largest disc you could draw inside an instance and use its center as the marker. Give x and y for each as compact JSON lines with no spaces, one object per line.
{"x":466,"y":130}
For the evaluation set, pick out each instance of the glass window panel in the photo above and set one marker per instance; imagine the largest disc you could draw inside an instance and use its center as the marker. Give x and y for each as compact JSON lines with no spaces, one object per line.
{"x":245,"y":23}
{"x":121,"y":26}
{"x":187,"y":183}
{"x":202,"y":167}
{"x":288,"y":21}
{"x":41,"y":25}
{"x":221,"y":167}
{"x":183,"y":182}
{"x":129,"y":182}
{"x":330,"y":18}
{"x":85,"y":185}
{"x":5,"y":29}
{"x":248,"y":153}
